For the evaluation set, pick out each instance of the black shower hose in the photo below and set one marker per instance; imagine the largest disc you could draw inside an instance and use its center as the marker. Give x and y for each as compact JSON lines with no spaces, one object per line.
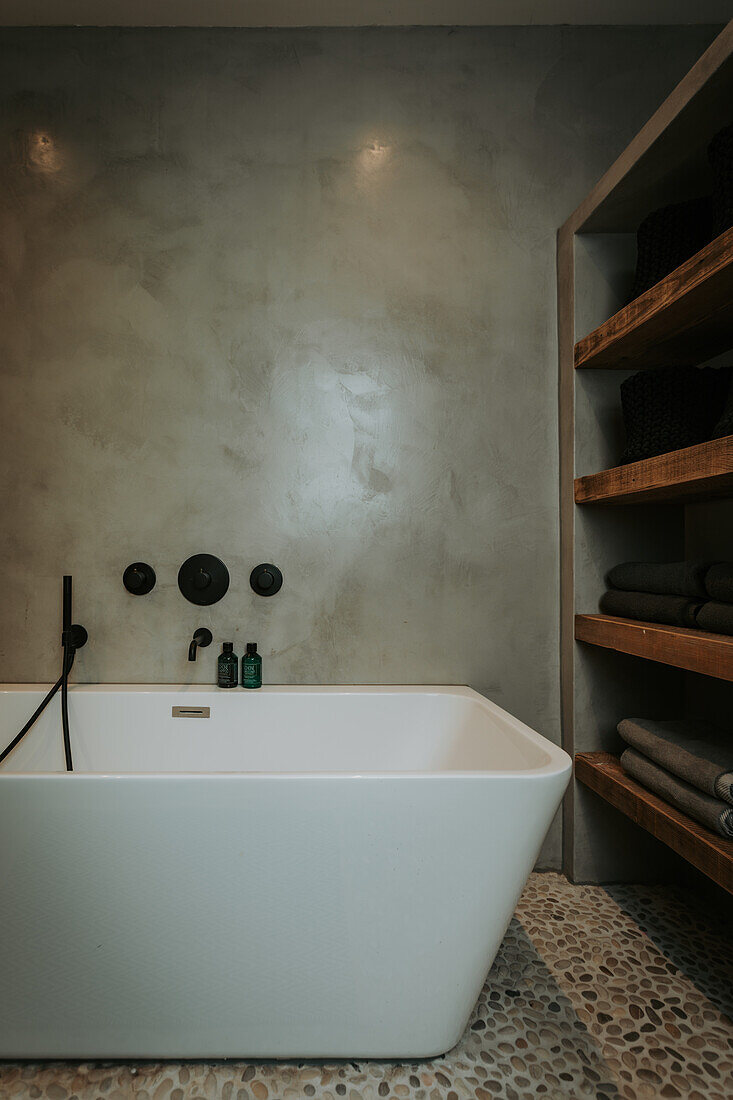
{"x":63,"y":683}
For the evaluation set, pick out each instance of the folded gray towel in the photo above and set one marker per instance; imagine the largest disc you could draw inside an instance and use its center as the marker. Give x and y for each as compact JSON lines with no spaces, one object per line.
{"x":666,"y":578}
{"x":717,"y":617}
{"x":696,"y":751}
{"x":719,"y":581}
{"x":710,"y":812}
{"x":649,"y":607}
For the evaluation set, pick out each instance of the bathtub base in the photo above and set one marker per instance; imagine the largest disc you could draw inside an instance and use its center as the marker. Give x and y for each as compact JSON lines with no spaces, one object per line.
{"x":228,"y":917}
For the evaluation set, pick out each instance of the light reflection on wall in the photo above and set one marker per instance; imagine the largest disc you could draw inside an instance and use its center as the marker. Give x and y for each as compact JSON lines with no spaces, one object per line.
{"x":338,"y":429}
{"x":43,"y":153}
{"x":373,"y":157}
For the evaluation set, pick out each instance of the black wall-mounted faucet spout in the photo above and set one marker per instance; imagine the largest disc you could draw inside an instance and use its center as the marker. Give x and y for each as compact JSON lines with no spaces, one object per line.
{"x":201,"y":638}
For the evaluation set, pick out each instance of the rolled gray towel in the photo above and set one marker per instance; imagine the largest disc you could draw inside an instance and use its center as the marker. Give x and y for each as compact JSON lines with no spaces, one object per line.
{"x":711,"y":812}
{"x":696,"y":751}
{"x":649,"y":607}
{"x":717,"y":617}
{"x":719,"y":581}
{"x":665,"y":578}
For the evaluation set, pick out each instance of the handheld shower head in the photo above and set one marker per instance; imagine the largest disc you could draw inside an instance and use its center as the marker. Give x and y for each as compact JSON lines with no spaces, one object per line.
{"x":73,"y":636}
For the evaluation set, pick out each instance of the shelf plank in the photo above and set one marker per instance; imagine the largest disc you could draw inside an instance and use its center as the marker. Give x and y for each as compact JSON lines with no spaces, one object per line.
{"x":711,"y":854}
{"x":681,"y":647}
{"x":685,"y":319}
{"x":693,"y":473}
{"x":667,"y":160}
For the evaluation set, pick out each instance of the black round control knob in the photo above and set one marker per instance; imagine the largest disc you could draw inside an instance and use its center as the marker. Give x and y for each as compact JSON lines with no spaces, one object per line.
{"x":203,"y":579}
{"x":266,"y":579}
{"x":139,"y":578}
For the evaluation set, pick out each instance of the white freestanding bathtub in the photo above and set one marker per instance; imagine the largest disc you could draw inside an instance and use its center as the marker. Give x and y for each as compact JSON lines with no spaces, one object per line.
{"x":302,"y":872}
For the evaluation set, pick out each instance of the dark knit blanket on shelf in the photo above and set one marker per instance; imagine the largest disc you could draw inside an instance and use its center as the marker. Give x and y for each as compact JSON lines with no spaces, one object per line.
{"x":715,"y":617}
{"x":697,"y":593}
{"x":650,"y":607}
{"x":719,"y":581}
{"x":668,"y":408}
{"x":673,"y":578}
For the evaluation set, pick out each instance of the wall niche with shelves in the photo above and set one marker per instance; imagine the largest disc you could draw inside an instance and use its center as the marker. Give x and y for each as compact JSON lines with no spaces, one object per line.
{"x":674,"y":506}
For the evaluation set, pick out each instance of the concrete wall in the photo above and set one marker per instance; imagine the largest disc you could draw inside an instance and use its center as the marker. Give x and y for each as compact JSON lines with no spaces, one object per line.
{"x":290,"y":296}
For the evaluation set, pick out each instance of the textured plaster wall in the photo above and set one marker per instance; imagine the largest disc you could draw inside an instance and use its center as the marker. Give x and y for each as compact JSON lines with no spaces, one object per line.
{"x":290,"y":296}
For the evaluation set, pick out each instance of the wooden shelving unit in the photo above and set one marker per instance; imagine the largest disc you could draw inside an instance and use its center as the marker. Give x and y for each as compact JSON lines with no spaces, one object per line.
{"x":711,"y":854}
{"x":693,"y":650}
{"x":684,"y":319}
{"x":691,"y":474}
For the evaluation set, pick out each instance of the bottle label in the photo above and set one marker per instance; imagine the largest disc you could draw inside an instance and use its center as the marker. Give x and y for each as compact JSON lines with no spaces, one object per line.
{"x":251,"y":674}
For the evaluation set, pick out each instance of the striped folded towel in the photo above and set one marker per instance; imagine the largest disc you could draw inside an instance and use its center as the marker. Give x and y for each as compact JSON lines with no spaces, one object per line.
{"x":698,"y":752}
{"x":711,"y":812}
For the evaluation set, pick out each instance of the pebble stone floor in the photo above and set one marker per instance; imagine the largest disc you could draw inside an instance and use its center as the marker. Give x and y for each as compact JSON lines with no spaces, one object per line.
{"x":604,"y":992}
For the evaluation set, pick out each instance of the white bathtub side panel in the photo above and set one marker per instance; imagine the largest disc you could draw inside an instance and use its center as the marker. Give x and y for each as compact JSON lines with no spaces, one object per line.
{"x":262,"y":917}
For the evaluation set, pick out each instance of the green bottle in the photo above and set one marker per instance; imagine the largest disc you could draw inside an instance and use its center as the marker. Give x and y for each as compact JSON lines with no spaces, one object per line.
{"x":226,"y":667}
{"x":251,"y":667}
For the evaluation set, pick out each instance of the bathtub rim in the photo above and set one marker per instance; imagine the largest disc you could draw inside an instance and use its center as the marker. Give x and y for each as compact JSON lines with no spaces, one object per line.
{"x":558,"y":764}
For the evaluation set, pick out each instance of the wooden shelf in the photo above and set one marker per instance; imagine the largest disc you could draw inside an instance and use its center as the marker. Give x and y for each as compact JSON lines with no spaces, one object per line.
{"x":694,"y":473}
{"x":667,"y":160}
{"x":694,"y":650}
{"x":710,"y":853}
{"x":684,"y":319}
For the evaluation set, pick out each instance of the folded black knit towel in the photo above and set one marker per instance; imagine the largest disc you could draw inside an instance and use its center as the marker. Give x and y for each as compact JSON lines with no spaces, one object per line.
{"x":713,"y":813}
{"x":673,"y":578}
{"x":670,"y":235}
{"x":720,"y":157}
{"x":716,"y":617}
{"x":649,"y":607}
{"x":668,"y":408}
{"x":696,"y":751}
{"x":724,"y":425}
{"x":719,"y":581}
